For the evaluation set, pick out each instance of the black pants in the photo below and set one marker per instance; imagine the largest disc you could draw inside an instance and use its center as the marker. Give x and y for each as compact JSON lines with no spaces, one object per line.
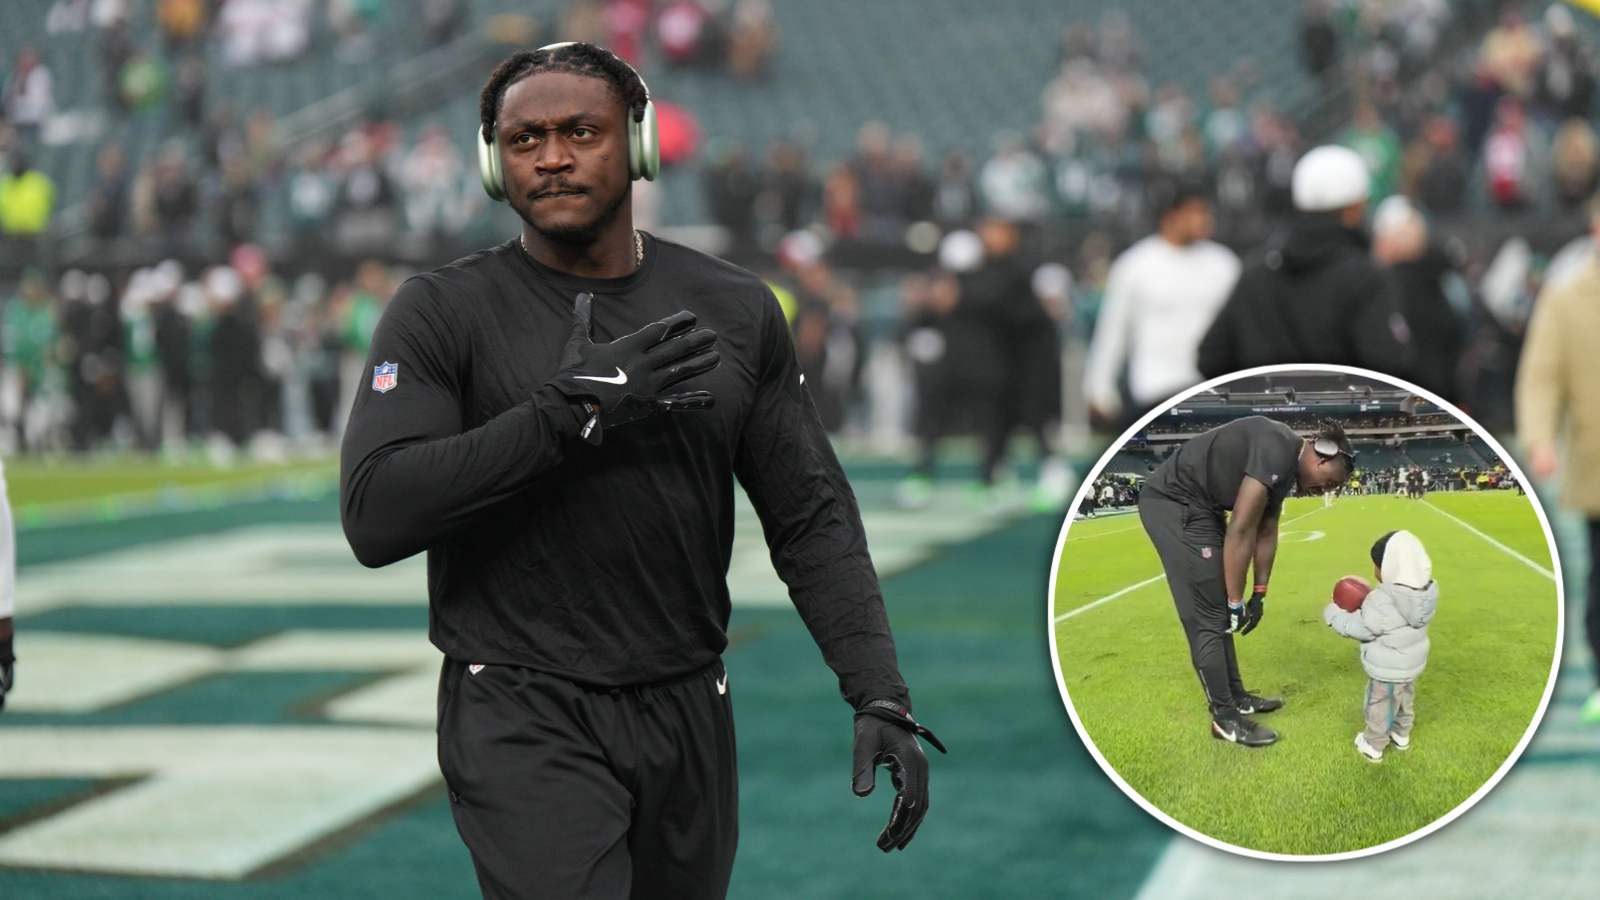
{"x":1591,"y":611}
{"x":561,"y":790}
{"x":1189,"y":542}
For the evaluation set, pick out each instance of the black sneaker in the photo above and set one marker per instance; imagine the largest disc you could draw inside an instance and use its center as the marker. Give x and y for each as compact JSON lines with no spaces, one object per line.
{"x":1242,"y":730}
{"x":1251,"y":705}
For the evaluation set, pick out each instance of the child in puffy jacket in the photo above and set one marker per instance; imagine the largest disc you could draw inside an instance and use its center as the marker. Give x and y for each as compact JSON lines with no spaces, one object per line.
{"x":1392,"y":626}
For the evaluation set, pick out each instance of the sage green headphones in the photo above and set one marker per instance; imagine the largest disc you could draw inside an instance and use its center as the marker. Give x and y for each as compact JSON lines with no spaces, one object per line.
{"x":644,"y":149}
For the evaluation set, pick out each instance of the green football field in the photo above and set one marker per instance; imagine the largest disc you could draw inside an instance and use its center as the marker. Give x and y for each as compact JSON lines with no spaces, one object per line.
{"x":216,"y":701}
{"x":1126,"y":667}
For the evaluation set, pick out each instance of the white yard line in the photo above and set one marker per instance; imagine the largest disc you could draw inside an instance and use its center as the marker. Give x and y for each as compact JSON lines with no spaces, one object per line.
{"x":1502,"y":547}
{"x":1134,"y":587}
{"x":1107,"y":598}
{"x":1087,"y":537}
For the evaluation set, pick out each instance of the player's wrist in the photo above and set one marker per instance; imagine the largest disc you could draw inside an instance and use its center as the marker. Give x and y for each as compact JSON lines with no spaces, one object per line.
{"x":568,"y":416}
{"x":899,"y":714}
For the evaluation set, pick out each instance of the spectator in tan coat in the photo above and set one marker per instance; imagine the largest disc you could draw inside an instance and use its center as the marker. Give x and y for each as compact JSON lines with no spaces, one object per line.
{"x":1558,"y":396}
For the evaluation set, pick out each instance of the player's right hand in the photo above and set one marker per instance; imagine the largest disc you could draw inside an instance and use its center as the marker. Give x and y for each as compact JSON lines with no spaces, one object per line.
{"x":628,"y":379}
{"x":1237,"y":618}
{"x":1543,"y":461}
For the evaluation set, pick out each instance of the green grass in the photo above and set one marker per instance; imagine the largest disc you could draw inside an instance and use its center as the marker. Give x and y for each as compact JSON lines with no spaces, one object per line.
{"x":1126,"y":667}
{"x":33,"y":482}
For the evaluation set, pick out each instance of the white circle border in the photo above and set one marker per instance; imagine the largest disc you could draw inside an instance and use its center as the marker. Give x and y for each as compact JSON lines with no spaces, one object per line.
{"x":1435,"y":825}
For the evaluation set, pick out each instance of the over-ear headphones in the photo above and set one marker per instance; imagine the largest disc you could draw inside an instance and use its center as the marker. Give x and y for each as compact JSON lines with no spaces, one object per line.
{"x":1328,"y":447}
{"x":644,"y":147}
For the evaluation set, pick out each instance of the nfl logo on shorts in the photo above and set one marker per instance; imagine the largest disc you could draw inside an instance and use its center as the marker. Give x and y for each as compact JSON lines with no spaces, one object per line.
{"x":384,"y":377}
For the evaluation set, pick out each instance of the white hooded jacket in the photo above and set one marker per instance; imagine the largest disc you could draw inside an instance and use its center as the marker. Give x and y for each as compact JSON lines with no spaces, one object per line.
{"x":1392,"y":623}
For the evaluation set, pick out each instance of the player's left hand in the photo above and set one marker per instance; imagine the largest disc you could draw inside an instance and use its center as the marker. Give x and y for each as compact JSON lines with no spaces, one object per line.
{"x":1254,"y":609}
{"x":886,"y":735}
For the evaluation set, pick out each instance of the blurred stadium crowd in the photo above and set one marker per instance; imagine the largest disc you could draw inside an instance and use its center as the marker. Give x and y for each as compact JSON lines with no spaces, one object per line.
{"x":187,"y":265}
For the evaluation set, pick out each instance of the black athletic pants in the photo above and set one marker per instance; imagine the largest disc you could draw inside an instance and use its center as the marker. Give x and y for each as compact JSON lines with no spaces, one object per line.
{"x":1189,"y":542}
{"x":561,"y":790}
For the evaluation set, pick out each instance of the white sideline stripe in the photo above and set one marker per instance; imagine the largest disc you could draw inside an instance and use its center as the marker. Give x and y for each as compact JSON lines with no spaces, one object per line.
{"x":1108,"y":598}
{"x":1503,"y":548}
{"x":1134,"y":587}
{"x":1090,"y":537}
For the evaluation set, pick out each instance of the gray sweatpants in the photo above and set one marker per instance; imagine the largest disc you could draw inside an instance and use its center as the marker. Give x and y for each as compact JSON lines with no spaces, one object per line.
{"x":1391,"y":707}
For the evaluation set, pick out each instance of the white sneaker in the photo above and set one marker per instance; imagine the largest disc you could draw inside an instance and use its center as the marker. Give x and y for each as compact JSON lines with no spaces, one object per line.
{"x":1367,"y":750}
{"x":1401,"y":742}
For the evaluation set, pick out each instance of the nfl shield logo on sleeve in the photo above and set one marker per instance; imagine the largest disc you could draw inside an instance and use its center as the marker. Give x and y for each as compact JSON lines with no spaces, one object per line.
{"x":385,"y":376}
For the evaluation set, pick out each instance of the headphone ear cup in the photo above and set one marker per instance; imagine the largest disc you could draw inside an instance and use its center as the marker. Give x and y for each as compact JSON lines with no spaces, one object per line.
{"x":649,"y":145}
{"x":635,"y":150}
{"x":489,"y":168}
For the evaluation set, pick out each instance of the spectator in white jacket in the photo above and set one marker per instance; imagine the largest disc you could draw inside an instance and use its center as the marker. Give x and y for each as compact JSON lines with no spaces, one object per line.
{"x":1161,"y":296}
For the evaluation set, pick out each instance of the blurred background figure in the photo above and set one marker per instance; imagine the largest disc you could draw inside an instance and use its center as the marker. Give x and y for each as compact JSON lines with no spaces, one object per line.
{"x":28,"y":97}
{"x":356,"y":310}
{"x":1316,"y":296}
{"x":28,"y":339}
{"x":1160,"y":297}
{"x":1429,"y":292}
{"x":27,"y":201}
{"x":1024,"y":333}
{"x":1558,"y":409}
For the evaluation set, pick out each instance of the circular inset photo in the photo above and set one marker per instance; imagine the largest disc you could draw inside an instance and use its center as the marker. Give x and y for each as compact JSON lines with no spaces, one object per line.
{"x":1306,"y":612}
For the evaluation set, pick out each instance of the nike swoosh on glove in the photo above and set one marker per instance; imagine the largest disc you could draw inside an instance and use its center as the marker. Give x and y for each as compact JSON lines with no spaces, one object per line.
{"x":628,"y":379}
{"x":886,"y":735}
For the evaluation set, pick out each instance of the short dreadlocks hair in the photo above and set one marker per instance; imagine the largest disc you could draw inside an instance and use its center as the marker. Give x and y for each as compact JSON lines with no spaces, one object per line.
{"x":576,"y":58}
{"x":1332,"y":430}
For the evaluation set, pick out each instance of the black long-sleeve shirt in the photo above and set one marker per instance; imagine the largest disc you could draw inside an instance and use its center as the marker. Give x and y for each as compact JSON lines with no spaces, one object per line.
{"x":604,"y":565}
{"x":1206,"y":472}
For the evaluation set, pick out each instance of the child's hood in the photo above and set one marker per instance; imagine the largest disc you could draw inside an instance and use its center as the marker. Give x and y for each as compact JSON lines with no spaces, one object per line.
{"x":1405,"y":562}
{"x":1408,"y":578}
{"x":1414,"y":606}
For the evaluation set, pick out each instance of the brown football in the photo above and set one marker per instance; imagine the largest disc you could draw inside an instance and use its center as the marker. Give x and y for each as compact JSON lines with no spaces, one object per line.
{"x":1350,"y":591}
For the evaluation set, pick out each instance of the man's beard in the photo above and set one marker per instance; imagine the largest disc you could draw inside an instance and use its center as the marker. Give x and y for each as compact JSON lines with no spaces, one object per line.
{"x":578,"y":234}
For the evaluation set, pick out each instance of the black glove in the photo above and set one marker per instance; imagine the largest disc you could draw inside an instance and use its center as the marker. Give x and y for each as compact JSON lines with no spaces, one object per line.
{"x":8,"y":670}
{"x":886,"y":735}
{"x":627,"y":379}
{"x":1236,"y":617}
{"x":1254,"y":609}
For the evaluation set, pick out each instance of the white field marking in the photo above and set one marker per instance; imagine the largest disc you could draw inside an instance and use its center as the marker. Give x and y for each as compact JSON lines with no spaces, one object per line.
{"x":209,"y":802}
{"x":1090,"y":537}
{"x":1502,"y":547}
{"x":300,"y":564}
{"x":1151,"y":580}
{"x":1108,"y":598}
{"x":1301,"y":537}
